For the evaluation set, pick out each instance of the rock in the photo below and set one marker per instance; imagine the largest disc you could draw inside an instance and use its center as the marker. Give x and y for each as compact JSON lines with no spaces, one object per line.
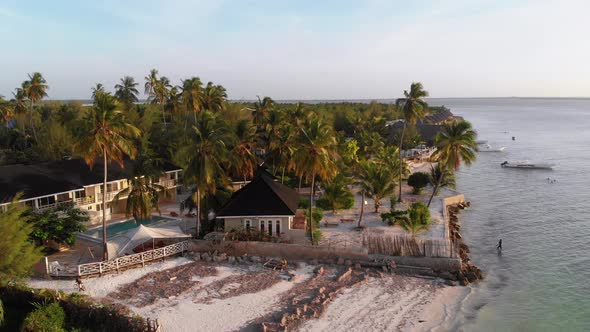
{"x":330,"y":261}
{"x":314,"y":262}
{"x":450,"y":283}
{"x":196,"y":257}
{"x":206,"y":256}
{"x":215,"y":253}
{"x":231,"y":260}
{"x":345,"y":275}
{"x":322,"y":290}
{"x":222,"y":256}
{"x":284,"y":320}
{"x":255,"y":259}
{"x":299,"y":312}
{"x":319,"y":270}
{"x":384,"y":268}
{"x":357,"y":266}
{"x":447,"y":276}
{"x":340,"y":261}
{"x":348,"y":262}
{"x":392,"y":264}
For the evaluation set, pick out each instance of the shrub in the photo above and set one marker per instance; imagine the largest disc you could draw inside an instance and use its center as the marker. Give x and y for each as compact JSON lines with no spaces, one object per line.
{"x":418,"y":181}
{"x":317,"y":215}
{"x":46,"y":318}
{"x":341,"y":203}
{"x":393,"y":216}
{"x":303,"y":203}
{"x":317,"y":235}
{"x":420,"y":213}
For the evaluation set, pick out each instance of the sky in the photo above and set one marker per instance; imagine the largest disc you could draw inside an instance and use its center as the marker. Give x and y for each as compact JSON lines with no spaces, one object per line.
{"x":303,"y":49}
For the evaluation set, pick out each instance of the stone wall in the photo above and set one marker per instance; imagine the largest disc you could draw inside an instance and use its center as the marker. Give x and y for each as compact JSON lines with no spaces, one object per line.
{"x":308,"y":252}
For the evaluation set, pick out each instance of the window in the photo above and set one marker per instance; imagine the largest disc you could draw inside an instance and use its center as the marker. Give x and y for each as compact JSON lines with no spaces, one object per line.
{"x":112,"y":187}
{"x":278,"y":227}
{"x":262,"y":225}
{"x":247,"y":224}
{"x":270,"y":227}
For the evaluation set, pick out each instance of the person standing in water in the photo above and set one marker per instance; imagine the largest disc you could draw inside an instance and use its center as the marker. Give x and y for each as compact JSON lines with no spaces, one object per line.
{"x":499,"y":246}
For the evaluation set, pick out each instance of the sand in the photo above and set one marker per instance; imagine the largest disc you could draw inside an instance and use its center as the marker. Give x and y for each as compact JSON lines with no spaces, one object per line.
{"x":393,"y":303}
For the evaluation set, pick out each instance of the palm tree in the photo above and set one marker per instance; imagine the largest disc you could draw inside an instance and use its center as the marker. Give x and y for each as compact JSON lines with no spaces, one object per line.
{"x":173,"y":101}
{"x":192,"y":95}
{"x":202,"y":158}
{"x":315,"y":155}
{"x":412,"y":225}
{"x":157,"y":90}
{"x":243,"y":160}
{"x":20,"y":101}
{"x":281,"y":148}
{"x":455,"y":144}
{"x":446,"y":175}
{"x":413,"y":107}
{"x":98,"y":87}
{"x":213,"y":97}
{"x":107,"y":134}
{"x":260,"y":111}
{"x":375,"y":181}
{"x":35,"y":89}
{"x":126,"y":92}
{"x":6,"y":110}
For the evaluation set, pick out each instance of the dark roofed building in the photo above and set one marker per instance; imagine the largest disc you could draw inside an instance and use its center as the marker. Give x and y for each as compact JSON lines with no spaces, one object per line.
{"x":46,"y":184}
{"x":263,"y":204}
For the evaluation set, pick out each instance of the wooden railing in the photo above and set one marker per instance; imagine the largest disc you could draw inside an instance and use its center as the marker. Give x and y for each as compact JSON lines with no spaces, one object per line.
{"x":99,"y":268}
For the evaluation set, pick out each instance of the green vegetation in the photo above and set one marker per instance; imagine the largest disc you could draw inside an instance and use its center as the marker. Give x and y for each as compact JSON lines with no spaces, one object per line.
{"x":59,"y":224}
{"x":48,"y":317}
{"x":456,"y":144}
{"x":19,"y":254}
{"x":418,"y":219}
{"x":418,"y":181}
{"x":336,"y":195}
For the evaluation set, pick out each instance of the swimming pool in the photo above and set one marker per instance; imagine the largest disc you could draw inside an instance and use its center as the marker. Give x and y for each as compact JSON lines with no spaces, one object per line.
{"x":123,"y":226}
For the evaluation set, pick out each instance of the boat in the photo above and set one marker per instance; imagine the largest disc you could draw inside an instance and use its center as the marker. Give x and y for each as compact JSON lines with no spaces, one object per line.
{"x":526,"y":165}
{"x":481,"y":142}
{"x":489,"y":148}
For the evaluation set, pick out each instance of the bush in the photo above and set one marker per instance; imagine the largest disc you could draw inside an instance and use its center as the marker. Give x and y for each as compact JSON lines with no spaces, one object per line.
{"x":418,"y":181}
{"x":317,"y":215}
{"x":342,"y":203}
{"x":303,"y":203}
{"x":393,"y":216}
{"x":46,"y":318}
{"x":317,"y":235}
{"x":420,"y":213}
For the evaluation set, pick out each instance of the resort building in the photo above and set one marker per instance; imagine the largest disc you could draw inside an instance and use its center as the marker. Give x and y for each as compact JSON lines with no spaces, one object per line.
{"x":428,"y":128}
{"x":265,"y":205}
{"x":47,"y":185}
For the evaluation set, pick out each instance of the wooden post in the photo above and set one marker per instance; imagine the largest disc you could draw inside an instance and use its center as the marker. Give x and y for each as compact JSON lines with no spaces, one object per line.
{"x":142,"y":261}
{"x":117,"y":264}
{"x":79,"y":270}
{"x":46,"y":265}
{"x":100,"y":269}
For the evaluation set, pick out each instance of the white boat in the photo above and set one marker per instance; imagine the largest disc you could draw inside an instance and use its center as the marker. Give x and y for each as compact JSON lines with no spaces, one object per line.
{"x":489,"y":148}
{"x":526,"y":165}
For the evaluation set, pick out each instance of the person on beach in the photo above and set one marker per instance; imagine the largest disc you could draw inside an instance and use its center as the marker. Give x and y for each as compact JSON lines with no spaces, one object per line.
{"x":499,"y":246}
{"x":80,"y":285}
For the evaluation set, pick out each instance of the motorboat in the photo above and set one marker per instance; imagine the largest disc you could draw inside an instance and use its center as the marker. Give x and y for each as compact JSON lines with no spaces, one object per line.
{"x":526,"y":165}
{"x":489,"y":148}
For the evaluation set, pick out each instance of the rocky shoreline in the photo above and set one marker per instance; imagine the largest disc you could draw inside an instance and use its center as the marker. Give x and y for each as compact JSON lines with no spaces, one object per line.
{"x":469,"y":272}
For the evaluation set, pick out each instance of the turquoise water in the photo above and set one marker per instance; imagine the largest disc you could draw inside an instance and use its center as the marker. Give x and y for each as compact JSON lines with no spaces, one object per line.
{"x":122,"y":227}
{"x":540,"y":282}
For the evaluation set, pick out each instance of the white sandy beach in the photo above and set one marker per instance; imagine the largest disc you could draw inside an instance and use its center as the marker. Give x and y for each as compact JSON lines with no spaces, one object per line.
{"x":393,"y":302}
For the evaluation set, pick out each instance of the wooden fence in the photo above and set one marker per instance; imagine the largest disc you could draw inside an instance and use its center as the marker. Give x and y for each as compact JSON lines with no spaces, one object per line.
{"x":398,"y":245}
{"x":99,"y":268}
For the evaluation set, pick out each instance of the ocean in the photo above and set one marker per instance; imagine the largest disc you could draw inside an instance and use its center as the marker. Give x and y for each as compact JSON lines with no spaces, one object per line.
{"x":541,"y":281}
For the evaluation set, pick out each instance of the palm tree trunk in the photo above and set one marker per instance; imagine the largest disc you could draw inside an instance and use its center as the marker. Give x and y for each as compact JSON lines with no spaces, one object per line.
{"x":377,"y":205}
{"x":164,"y":114}
{"x":300,"y":179}
{"x":283,"y":175}
{"x":311,"y":190}
{"x":105,"y":254}
{"x":362,"y":209}
{"x":198,"y":212}
{"x":401,"y":142}
{"x":435,"y":187}
{"x":32,"y":123}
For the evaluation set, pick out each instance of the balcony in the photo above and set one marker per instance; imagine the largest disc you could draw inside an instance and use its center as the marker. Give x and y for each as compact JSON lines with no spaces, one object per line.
{"x":168,"y":183}
{"x":85,"y":200}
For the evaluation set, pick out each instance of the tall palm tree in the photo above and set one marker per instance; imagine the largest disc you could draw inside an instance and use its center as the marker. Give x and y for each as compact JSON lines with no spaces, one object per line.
{"x":202,"y":158}
{"x":315,"y":155}
{"x":157,"y":90}
{"x":35,"y":89}
{"x":126,"y":92}
{"x":413,"y":107}
{"x":446,"y":175}
{"x":173,"y":101}
{"x":6,"y":111}
{"x":261,"y":110}
{"x":20,"y":101}
{"x":243,"y":161}
{"x":375,"y":181}
{"x":213,"y":98}
{"x":143,"y":193}
{"x":107,"y":134}
{"x":192,"y":95}
{"x":281,"y":148}
{"x":98,"y":87}
{"x":455,"y":144}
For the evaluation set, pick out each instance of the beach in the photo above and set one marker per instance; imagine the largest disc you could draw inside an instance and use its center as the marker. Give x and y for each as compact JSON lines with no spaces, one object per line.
{"x":388,"y":302}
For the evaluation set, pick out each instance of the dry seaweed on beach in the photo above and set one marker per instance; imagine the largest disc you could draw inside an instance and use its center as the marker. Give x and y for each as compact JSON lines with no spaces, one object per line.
{"x":163,"y":284}
{"x":235,"y":285}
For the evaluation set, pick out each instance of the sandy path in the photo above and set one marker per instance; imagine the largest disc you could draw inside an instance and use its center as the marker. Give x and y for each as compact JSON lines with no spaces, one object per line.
{"x":393,"y":303}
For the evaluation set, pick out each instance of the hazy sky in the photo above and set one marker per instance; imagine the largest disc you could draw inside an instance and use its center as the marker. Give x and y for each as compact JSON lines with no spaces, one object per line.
{"x":303,"y":49}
